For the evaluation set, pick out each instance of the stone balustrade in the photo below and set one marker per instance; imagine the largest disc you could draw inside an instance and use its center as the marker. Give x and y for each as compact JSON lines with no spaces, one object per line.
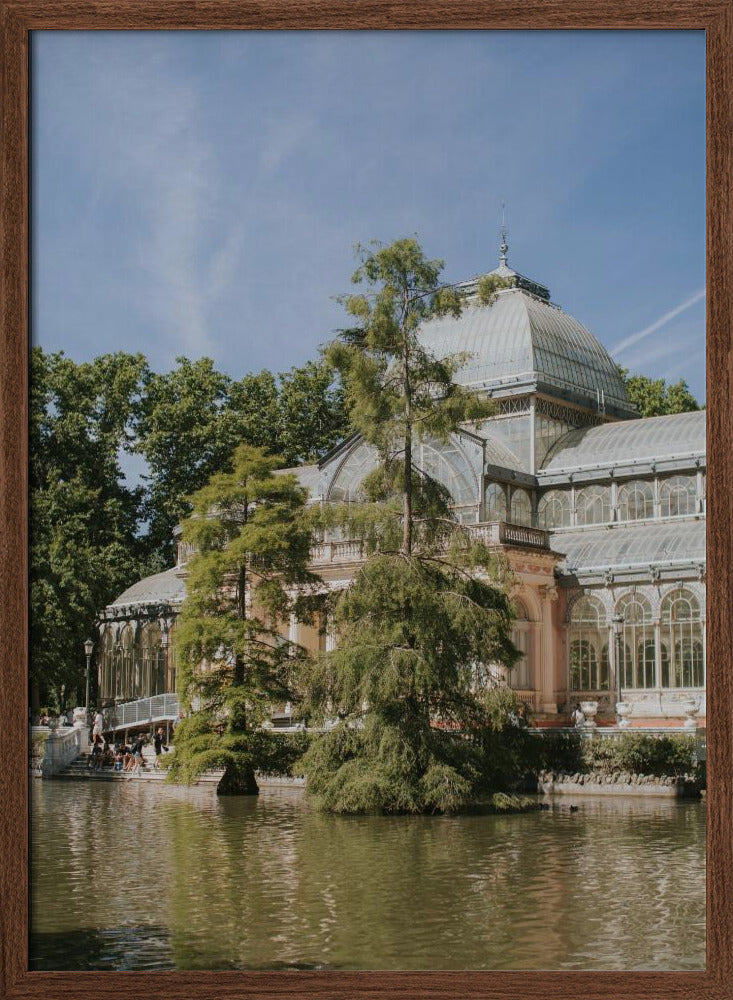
{"x":491,"y":533}
{"x":54,"y":749}
{"x":528,"y":697}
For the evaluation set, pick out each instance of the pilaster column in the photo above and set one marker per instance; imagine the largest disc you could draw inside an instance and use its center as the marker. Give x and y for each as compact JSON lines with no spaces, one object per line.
{"x":573,"y":508}
{"x":330,"y":634}
{"x":657,"y":656}
{"x":293,"y":629}
{"x":699,"y":491}
{"x":548,"y":703}
{"x":614,"y":501}
{"x":532,"y":434}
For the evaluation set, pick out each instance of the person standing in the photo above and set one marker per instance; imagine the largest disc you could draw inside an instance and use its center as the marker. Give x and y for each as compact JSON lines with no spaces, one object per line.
{"x":98,"y":727}
{"x":159,"y":744}
{"x":578,"y":717}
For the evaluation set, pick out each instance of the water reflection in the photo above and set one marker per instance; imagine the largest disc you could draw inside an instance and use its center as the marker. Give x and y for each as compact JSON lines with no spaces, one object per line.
{"x":132,"y":876}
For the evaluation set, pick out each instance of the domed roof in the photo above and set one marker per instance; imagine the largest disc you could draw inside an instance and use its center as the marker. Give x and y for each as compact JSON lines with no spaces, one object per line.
{"x":167,"y":587}
{"x":523,"y":343}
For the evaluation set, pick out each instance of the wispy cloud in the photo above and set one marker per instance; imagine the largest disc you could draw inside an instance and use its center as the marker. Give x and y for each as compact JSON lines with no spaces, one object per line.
{"x":658,"y":323}
{"x":154,"y":199}
{"x":200,"y":193}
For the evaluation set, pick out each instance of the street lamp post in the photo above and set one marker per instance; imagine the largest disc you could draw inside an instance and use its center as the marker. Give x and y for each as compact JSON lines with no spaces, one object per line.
{"x":88,"y":649}
{"x":618,"y":630}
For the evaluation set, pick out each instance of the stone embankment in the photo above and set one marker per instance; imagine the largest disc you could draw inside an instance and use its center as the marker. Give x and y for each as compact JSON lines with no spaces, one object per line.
{"x":620,"y":783}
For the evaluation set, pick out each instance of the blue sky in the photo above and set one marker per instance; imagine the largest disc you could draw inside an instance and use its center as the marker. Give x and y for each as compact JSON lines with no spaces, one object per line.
{"x":200,"y":193}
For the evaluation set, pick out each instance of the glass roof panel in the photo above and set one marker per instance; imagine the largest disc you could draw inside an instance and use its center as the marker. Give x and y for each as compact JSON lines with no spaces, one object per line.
{"x":631,"y":545}
{"x":629,"y":440}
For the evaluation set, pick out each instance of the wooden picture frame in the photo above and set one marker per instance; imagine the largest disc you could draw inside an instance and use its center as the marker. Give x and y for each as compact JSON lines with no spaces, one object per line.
{"x":19,"y":17}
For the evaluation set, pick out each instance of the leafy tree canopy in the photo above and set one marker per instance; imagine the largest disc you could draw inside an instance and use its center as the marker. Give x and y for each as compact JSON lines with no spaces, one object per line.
{"x":92,"y":533}
{"x":655,"y":398}
{"x":192,"y":418}
{"x":85,"y":546}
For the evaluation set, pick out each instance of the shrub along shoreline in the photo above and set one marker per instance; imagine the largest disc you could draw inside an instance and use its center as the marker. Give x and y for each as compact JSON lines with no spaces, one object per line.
{"x":565,"y":763}
{"x":640,"y":754}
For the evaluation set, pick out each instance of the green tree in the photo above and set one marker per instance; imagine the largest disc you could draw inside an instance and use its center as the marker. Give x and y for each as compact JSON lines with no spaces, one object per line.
{"x":84,"y":525}
{"x":254,"y":408}
{"x":252,"y":548}
{"x":428,"y":610}
{"x":186,"y":434}
{"x":655,"y":398}
{"x":395,"y":387}
{"x":312,"y":413}
{"x":419,"y":708}
{"x":192,"y":418}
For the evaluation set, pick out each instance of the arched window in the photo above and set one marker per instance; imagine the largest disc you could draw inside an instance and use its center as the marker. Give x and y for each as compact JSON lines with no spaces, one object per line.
{"x":635,"y":501}
{"x":153,"y":661}
{"x":521,"y":508}
{"x":127,"y":644}
{"x":678,"y":496}
{"x":588,"y":646}
{"x":593,"y":505}
{"x":682,"y":641}
{"x":520,"y":676}
{"x":553,"y":510}
{"x":136,"y":685}
{"x":117,"y":669}
{"x":346,"y":484}
{"x":445,"y":462}
{"x":646,"y":660}
{"x":107,"y":666}
{"x":495,"y":502}
{"x":637,"y":647}
{"x":169,"y":656}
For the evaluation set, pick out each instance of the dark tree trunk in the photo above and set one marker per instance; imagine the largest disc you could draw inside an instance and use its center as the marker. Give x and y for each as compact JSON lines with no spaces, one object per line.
{"x":407,"y":495}
{"x":238,"y":780}
{"x":407,"y":481}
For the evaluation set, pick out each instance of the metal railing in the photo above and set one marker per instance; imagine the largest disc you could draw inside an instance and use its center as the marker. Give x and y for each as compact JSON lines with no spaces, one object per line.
{"x":159,"y":708}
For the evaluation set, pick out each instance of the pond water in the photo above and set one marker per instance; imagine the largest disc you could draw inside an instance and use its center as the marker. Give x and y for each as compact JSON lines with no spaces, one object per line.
{"x":135,"y":876}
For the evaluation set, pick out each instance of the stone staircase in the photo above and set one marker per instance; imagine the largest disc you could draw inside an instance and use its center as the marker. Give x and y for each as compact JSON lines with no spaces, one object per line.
{"x":81,"y":770}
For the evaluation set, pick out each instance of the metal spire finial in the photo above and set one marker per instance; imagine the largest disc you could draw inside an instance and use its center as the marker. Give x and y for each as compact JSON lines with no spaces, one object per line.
{"x":503,"y":247}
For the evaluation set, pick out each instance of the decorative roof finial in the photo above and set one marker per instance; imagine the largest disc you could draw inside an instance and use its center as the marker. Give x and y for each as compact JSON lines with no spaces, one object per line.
{"x":503,"y":247}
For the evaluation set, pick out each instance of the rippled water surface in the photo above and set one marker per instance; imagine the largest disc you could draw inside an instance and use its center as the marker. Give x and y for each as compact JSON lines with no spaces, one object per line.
{"x":137,"y":877}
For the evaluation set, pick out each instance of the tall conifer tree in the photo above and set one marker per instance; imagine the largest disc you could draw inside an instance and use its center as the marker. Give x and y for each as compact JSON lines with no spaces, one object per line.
{"x":425,"y":615}
{"x":251,"y":554}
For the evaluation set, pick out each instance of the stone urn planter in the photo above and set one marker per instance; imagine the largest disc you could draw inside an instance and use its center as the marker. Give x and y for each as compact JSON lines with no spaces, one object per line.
{"x":589,"y":710}
{"x":690,"y":708}
{"x":623,"y":711}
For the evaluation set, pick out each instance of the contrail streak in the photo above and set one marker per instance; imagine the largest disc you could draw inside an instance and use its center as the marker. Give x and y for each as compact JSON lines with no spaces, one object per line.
{"x":636,"y":337}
